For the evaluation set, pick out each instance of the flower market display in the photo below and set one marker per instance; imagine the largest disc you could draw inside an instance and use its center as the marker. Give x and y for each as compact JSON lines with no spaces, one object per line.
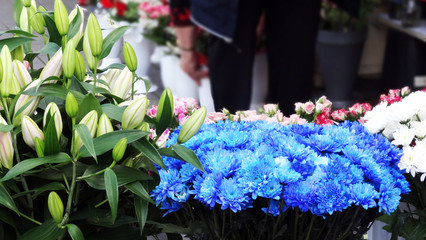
{"x":269,"y":181}
{"x":77,"y":160}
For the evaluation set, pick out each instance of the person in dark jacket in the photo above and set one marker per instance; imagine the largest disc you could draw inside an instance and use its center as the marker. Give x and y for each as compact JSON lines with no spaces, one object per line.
{"x":290,"y":28}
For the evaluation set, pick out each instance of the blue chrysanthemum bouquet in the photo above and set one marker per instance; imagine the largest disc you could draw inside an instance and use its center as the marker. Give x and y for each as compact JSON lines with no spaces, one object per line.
{"x":269,"y":181}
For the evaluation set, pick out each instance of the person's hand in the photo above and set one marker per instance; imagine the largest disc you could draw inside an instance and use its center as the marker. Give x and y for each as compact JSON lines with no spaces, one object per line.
{"x":189,"y":64}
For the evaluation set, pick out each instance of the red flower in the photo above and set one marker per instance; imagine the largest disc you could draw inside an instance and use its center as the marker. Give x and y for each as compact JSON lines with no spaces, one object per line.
{"x":121,"y":9}
{"x":82,"y":2}
{"x":201,"y":59}
{"x":107,"y":3}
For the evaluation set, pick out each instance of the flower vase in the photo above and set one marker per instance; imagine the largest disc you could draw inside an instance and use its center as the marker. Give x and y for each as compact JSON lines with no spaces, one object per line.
{"x":167,"y":70}
{"x":143,"y":49}
{"x":108,"y":26}
{"x":259,"y":89}
{"x":184,"y":85}
{"x":339,"y":55}
{"x":205,"y":95}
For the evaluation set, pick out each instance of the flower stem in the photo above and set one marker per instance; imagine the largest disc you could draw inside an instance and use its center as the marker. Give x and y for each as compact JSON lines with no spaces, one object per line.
{"x":70,"y":195}
{"x":96,"y":173}
{"x":133,"y":85}
{"x":30,"y":219}
{"x":310,"y":228}
{"x":95,"y":72}
{"x":101,"y":203}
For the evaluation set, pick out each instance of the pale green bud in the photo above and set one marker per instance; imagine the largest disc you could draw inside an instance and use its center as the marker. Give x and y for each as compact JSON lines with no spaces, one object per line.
{"x":91,"y":121}
{"x":134,"y":114}
{"x":91,"y":61}
{"x":192,"y":125}
{"x":53,"y":67}
{"x":144,"y":127}
{"x":52,"y":110}
{"x":130,"y":57}
{"x":23,"y":100}
{"x":9,"y":86}
{"x":56,"y":207}
{"x":39,"y":147}
{"x":95,"y":35}
{"x":72,"y":15}
{"x":71,"y":105}
{"x":61,"y":17}
{"x":80,"y":66}
{"x":38,"y":23}
{"x":119,"y":149}
{"x":167,"y":94}
{"x":104,"y":125}
{"x":30,"y":131}
{"x":26,"y":3}
{"x":18,"y":53}
{"x":6,"y":62}
{"x":21,"y":73}
{"x":6,"y":147}
{"x":68,"y":59}
{"x":122,"y":85}
{"x":23,"y":19}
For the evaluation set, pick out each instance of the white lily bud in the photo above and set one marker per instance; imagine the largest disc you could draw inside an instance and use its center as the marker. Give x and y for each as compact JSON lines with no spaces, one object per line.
{"x":21,"y":73}
{"x":91,"y":121}
{"x":24,"y":99}
{"x":30,"y":131}
{"x":122,"y":85}
{"x":53,"y":67}
{"x":23,"y":19}
{"x":90,"y":59}
{"x":7,"y":70}
{"x":53,"y":110}
{"x":134,"y":114}
{"x":6,"y":147}
{"x":111,"y":75}
{"x":61,"y":17}
{"x":104,"y":125}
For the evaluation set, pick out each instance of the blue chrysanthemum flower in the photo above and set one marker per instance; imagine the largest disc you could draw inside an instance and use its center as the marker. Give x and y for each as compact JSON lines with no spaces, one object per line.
{"x":206,"y":188}
{"x":274,"y":208}
{"x":389,"y":198}
{"x":330,"y":197}
{"x":170,"y":206}
{"x":283,"y":171}
{"x":232,"y":196}
{"x":363,"y":194}
{"x":310,"y":167}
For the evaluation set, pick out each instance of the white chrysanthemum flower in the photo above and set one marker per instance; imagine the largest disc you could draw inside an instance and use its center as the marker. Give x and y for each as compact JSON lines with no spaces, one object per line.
{"x":390,"y":129}
{"x":419,"y":128}
{"x":403,"y":136}
{"x":407,"y":160}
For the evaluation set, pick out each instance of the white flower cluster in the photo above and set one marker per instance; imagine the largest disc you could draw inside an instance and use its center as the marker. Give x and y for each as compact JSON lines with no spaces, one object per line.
{"x":403,"y":123}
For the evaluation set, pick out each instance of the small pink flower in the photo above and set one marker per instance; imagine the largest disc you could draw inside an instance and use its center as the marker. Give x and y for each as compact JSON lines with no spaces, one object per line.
{"x":405,"y":91}
{"x":308,"y":107}
{"x":253,"y":118}
{"x":394,"y":99}
{"x":270,"y":109}
{"x":217,"y":116}
{"x":298,"y":107}
{"x":394,"y":93}
{"x":339,"y":115}
{"x":182,"y":118}
{"x":26,"y":64}
{"x":356,"y":109}
{"x":152,"y":112}
{"x":279,"y":116}
{"x":366,"y":107}
{"x":384,"y":98}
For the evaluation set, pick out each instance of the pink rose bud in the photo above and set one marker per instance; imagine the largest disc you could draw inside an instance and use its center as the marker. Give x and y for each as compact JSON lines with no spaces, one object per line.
{"x":405,"y":91}
{"x":298,"y":107}
{"x":270,"y":109}
{"x":366,"y":107}
{"x":356,"y":109}
{"x":308,"y":107}
{"x":217,"y":116}
{"x":394,"y":93}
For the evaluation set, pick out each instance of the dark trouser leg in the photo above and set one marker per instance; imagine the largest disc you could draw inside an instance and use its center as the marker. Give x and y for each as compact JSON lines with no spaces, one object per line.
{"x":291,"y":30}
{"x":230,"y":65}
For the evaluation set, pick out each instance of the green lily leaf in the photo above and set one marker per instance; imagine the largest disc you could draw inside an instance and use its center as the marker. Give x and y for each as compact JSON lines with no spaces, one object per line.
{"x":111,"y":187}
{"x":138,"y":189}
{"x":111,"y":39}
{"x":6,"y":200}
{"x":125,"y":175}
{"x":188,"y":156}
{"x":74,"y":232}
{"x":5,"y":128}
{"x":49,"y":230}
{"x":34,"y":162}
{"x":107,"y":141}
{"x":146,"y":148}
{"x":141,"y":210}
{"x":14,"y":42}
{"x":84,"y":133}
